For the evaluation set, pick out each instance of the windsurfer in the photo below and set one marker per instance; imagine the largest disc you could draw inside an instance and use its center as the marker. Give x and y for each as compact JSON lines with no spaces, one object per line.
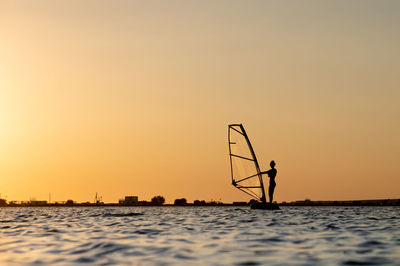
{"x":271,"y":174}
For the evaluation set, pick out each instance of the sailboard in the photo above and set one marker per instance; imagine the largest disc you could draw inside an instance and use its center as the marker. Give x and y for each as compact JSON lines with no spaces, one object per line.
{"x":245,"y":170}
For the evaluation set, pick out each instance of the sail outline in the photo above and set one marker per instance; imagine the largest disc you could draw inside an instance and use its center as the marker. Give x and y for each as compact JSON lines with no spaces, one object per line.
{"x":236,"y":183}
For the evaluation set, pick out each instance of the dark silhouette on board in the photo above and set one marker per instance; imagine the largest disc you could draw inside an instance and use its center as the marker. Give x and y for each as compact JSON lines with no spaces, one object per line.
{"x":245,"y":182}
{"x":272,"y":184}
{"x":271,"y":174}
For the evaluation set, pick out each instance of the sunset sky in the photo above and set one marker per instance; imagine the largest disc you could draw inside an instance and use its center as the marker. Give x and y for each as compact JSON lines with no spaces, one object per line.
{"x":134,"y":98}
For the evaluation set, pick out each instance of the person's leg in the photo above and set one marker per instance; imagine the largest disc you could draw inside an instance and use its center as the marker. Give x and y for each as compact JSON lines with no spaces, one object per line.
{"x":271,"y":192}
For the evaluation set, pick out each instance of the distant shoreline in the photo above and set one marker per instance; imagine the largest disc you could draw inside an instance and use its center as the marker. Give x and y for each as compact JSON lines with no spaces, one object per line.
{"x":374,"y":202}
{"x":349,"y":203}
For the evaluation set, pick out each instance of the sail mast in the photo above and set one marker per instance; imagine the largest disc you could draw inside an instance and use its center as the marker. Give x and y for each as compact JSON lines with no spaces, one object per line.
{"x":230,"y":152}
{"x":263,"y":198}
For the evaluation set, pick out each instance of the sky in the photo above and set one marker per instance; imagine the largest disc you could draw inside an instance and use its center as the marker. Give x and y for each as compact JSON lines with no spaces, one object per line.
{"x":134,"y":98}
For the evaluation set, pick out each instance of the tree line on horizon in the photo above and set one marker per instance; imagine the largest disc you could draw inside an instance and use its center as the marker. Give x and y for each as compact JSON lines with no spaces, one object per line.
{"x":155,"y":201}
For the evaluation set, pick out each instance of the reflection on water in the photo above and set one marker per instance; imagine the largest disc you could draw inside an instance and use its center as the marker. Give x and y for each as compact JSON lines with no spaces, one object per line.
{"x":200,"y":235}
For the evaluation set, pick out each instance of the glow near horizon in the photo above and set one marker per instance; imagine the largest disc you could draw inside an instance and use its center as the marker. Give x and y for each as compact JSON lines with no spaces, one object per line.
{"x":134,"y":98}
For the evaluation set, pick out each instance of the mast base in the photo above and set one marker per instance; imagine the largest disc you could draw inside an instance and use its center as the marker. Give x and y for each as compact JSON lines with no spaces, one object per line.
{"x":265,"y":206}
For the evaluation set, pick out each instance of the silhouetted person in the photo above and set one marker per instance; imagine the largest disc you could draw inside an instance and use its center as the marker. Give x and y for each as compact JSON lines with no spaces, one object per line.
{"x":271,"y":174}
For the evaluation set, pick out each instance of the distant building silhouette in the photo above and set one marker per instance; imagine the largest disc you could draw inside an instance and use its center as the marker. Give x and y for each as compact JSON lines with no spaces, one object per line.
{"x":129,"y":200}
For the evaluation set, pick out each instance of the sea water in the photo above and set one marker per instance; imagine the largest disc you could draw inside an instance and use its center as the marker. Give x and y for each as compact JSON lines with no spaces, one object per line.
{"x":200,"y":236}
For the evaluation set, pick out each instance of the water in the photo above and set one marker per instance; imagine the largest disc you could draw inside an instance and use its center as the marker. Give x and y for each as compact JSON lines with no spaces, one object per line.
{"x":200,"y":235}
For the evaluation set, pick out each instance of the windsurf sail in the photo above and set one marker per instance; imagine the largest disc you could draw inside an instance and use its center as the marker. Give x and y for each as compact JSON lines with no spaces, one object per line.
{"x":245,"y":171}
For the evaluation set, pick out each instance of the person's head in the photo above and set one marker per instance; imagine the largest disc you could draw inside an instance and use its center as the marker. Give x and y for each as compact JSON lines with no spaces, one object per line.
{"x":272,"y":164}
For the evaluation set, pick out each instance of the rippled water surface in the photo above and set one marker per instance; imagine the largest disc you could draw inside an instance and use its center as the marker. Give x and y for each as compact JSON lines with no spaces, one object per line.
{"x":200,"y":235}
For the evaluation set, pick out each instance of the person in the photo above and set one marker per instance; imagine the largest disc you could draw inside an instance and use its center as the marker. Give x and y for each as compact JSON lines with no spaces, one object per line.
{"x":271,"y":174}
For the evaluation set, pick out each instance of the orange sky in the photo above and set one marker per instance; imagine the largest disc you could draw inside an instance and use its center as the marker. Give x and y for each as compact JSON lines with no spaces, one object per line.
{"x":134,"y":97}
